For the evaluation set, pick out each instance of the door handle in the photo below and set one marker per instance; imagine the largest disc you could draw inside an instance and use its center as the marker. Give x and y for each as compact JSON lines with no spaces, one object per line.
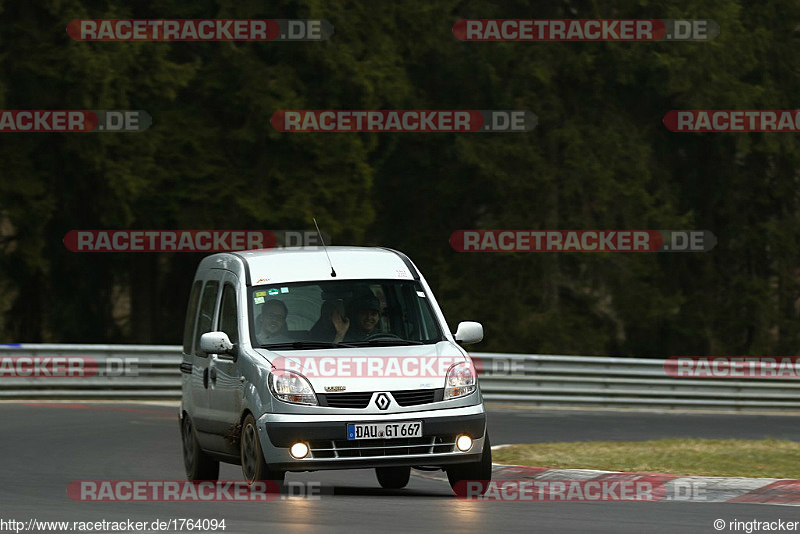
{"x":213,"y":367}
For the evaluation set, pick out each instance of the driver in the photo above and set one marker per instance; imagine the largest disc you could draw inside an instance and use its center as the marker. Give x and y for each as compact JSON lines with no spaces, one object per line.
{"x":365,"y":313}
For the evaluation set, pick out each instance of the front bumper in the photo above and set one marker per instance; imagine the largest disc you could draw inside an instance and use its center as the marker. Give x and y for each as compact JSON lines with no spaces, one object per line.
{"x":330,"y":448}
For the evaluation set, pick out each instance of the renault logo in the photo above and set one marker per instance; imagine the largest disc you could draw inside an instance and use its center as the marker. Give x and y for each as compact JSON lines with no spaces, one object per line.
{"x":382,"y":401}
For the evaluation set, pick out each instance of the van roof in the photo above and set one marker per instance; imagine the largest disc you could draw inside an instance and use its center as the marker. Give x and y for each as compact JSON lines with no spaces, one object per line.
{"x":281,"y":265}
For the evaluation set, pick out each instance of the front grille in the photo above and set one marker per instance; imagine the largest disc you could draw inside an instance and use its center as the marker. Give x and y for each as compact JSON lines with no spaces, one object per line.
{"x":414,"y":397}
{"x":345,"y":400}
{"x":361,"y":448}
{"x":360,"y":400}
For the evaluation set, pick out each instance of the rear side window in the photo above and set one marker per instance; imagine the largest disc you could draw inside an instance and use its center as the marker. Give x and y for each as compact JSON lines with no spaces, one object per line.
{"x":206,"y":314}
{"x":227,"y":314}
{"x":191,"y":315}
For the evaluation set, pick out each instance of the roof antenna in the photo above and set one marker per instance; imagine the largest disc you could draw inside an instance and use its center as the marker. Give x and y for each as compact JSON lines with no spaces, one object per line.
{"x":333,"y":273}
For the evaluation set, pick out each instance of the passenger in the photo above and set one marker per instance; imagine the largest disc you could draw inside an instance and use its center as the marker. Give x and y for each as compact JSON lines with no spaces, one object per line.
{"x":271,"y":323}
{"x":365,"y":312}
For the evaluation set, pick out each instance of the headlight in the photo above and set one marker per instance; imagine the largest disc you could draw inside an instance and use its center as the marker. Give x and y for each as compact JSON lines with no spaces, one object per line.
{"x":289,"y":386}
{"x":460,"y":381}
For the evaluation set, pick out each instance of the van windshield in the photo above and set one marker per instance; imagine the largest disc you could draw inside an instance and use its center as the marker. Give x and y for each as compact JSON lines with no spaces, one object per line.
{"x":308,"y":315}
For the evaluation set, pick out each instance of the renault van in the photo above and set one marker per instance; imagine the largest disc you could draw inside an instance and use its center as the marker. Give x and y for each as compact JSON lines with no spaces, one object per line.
{"x":327,"y":358}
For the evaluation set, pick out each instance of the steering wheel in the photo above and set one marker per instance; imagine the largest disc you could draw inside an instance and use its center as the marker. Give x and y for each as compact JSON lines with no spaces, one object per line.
{"x":379,"y":335}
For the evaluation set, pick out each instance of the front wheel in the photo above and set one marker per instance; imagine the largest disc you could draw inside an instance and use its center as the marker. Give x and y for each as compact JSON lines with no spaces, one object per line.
{"x":472,"y":479}
{"x":198,"y":465}
{"x":254,"y":468}
{"x":393,"y":477}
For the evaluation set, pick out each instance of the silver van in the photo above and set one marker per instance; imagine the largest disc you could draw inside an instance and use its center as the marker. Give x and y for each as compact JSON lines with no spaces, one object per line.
{"x":340,"y":358}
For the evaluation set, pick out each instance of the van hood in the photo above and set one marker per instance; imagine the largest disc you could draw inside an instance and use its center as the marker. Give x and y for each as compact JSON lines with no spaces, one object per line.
{"x":363,"y":369}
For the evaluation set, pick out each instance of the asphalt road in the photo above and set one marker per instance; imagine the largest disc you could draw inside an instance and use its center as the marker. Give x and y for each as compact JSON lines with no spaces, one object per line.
{"x":44,"y":447}
{"x":524,"y":426}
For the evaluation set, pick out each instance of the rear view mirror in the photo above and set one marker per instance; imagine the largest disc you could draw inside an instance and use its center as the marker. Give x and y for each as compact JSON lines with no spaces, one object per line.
{"x":469,"y":332}
{"x":216,"y":343}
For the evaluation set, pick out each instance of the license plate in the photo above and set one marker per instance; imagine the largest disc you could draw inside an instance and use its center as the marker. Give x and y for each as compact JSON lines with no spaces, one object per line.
{"x":400,"y":429}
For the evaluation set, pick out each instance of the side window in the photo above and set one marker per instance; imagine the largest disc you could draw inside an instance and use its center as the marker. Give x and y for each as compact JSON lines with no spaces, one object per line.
{"x":191,"y":315}
{"x":206,"y":314}
{"x":228,"y":322}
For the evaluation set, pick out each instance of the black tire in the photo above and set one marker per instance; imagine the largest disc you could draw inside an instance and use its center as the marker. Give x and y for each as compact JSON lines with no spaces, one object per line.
{"x":459,"y":474}
{"x":198,"y":465}
{"x":393,"y":477}
{"x":254,"y":468}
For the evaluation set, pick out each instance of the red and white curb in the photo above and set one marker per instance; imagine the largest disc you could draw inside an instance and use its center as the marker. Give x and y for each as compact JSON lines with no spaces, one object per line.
{"x":672,"y":488}
{"x":676,"y":487}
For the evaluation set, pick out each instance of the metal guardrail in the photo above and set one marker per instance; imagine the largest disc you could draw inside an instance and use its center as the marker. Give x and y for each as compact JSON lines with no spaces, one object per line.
{"x":541,"y":380}
{"x":153,"y":373}
{"x":530,"y":379}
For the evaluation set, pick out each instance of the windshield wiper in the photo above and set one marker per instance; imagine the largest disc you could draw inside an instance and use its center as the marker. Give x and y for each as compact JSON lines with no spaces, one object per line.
{"x":375,"y":342}
{"x":299,"y":345}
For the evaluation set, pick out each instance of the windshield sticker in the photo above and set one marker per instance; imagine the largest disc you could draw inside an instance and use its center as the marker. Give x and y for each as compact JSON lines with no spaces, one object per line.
{"x":273,"y":291}
{"x":258,"y":300}
{"x":260,"y":293}
{"x":284,"y":290}
{"x":421,"y":294}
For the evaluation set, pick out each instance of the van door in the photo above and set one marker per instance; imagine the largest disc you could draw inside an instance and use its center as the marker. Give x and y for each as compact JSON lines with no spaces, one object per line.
{"x":200,"y":360}
{"x":225,"y":389}
{"x":187,"y":358}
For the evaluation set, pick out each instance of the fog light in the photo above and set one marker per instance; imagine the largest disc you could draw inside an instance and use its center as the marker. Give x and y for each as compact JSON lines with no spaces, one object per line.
{"x":299,"y":450}
{"x":464,"y":443}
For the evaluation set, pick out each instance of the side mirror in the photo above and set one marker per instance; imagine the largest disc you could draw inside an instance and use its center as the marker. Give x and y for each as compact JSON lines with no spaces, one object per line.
{"x":216,"y":343}
{"x":469,"y":332}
